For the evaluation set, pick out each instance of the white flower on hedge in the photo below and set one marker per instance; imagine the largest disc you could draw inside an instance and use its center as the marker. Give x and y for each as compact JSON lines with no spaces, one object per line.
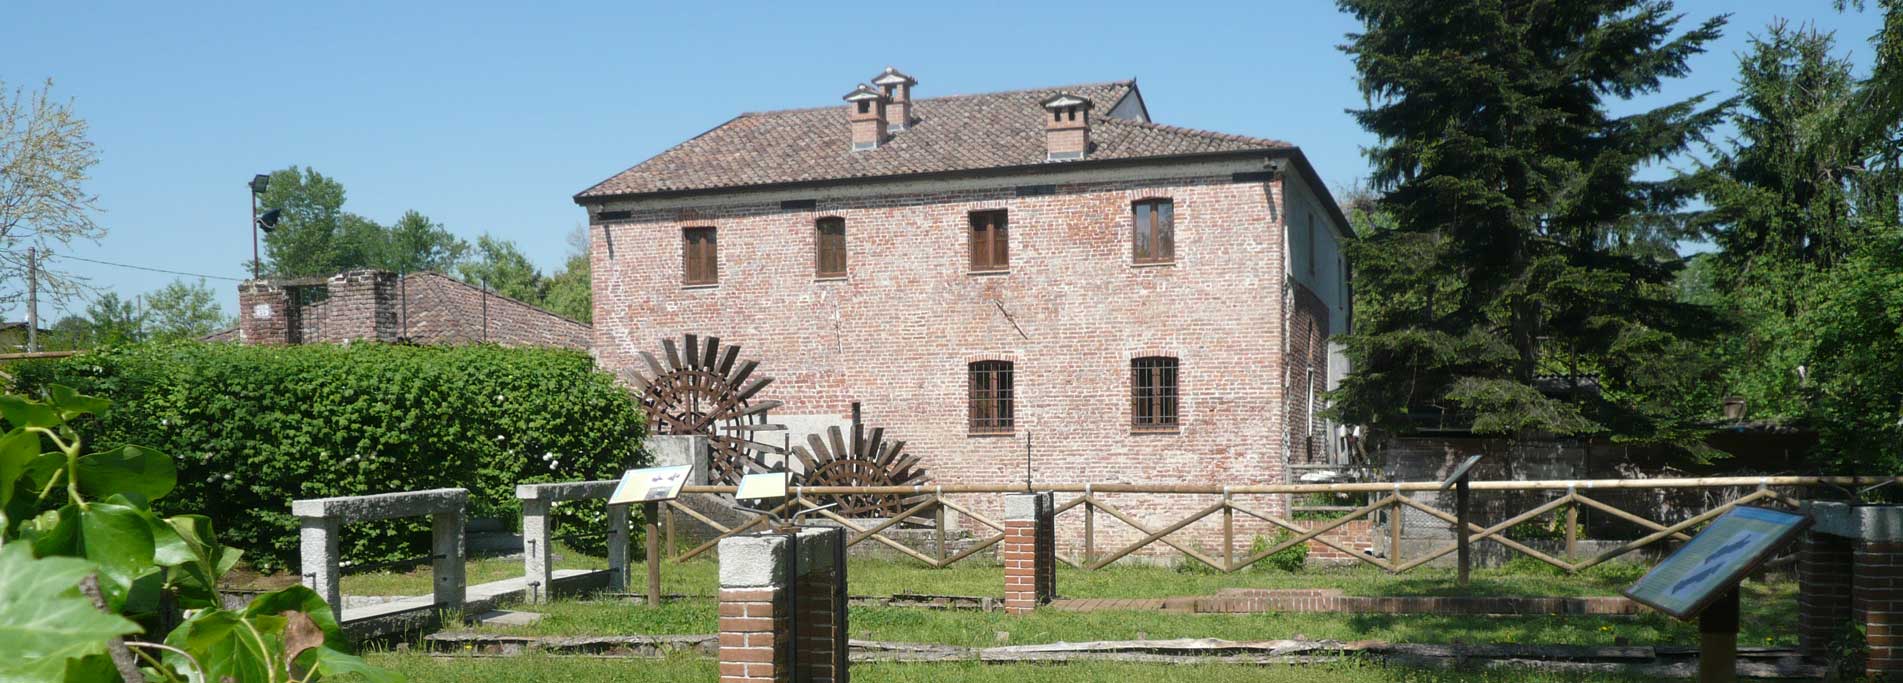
{"x":227,"y":476}
{"x":554,"y":464}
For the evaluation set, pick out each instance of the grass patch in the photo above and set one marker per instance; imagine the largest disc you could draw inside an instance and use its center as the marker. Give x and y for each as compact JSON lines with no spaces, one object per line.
{"x":416,"y":580}
{"x":542,"y":668}
{"x":1770,"y":613}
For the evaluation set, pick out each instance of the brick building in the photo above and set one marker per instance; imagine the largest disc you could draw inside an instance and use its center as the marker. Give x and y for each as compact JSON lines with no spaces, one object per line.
{"x":1039,"y":270}
{"x":423,"y":307}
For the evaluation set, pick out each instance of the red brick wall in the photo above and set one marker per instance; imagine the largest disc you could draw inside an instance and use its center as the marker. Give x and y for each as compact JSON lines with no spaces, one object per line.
{"x":1357,"y":535}
{"x":428,"y":308}
{"x":755,"y":643}
{"x":1308,"y":348}
{"x":898,"y":333}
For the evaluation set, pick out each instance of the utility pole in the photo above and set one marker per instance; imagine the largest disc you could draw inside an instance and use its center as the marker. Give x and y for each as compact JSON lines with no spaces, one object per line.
{"x":32,"y":299}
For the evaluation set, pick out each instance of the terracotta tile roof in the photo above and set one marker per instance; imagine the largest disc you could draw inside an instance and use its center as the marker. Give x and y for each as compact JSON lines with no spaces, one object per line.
{"x":955,"y":133}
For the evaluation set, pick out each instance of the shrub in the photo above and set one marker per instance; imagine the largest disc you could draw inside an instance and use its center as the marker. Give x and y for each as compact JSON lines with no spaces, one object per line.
{"x":1290,"y":559}
{"x":254,"y":427}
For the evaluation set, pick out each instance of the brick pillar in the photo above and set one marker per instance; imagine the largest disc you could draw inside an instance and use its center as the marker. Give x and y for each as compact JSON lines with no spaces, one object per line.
{"x":1876,"y":581}
{"x":783,"y":607}
{"x":264,"y":313}
{"x":1824,"y":592}
{"x":755,"y":608}
{"x":819,"y":607}
{"x":1030,"y":552}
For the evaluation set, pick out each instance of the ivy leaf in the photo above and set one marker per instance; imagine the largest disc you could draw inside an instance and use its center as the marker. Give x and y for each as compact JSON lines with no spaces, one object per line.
{"x":41,"y":471}
{"x":332,"y":664}
{"x":119,"y":540}
{"x":54,"y":532}
{"x":17,"y":450}
{"x":223,"y":644}
{"x":300,"y":599}
{"x":21,"y":412}
{"x":71,"y":403}
{"x":127,"y":469}
{"x":44,"y":621}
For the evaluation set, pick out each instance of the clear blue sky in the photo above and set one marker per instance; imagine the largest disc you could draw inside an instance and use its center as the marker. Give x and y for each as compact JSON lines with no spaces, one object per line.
{"x":489,"y":116}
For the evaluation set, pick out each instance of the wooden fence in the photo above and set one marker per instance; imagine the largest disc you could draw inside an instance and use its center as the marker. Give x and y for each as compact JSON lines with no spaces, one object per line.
{"x":1390,"y":498}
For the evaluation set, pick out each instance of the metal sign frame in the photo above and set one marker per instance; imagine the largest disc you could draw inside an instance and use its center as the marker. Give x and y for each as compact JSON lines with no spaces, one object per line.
{"x":1739,"y":569}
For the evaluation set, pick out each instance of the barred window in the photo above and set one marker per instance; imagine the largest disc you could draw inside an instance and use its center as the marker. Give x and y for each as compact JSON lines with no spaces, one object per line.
{"x":700,"y":261}
{"x":990,"y":397}
{"x":830,"y":240}
{"x":1154,"y":239}
{"x":1153,"y":393}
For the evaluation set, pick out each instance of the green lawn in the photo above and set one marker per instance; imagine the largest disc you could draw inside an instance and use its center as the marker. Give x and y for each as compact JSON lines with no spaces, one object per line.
{"x":537,"y":669}
{"x":978,"y":577}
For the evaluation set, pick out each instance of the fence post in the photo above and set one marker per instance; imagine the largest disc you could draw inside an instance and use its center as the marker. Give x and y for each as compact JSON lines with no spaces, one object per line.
{"x":1090,"y":527}
{"x":1396,"y":512}
{"x":1572,"y":528}
{"x":618,"y":547}
{"x":667,"y":512}
{"x":446,"y":561}
{"x":651,"y":513}
{"x":535,"y":550}
{"x":938,"y":522}
{"x":1228,"y":533}
{"x":1460,"y":531}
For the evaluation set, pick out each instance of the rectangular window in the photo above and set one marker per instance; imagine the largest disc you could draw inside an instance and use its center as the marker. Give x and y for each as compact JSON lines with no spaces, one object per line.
{"x":1154,"y":239}
{"x":830,"y":247}
{"x":990,"y":397}
{"x":1153,"y":394}
{"x":990,"y":241}
{"x":1312,"y":246}
{"x":700,"y":259}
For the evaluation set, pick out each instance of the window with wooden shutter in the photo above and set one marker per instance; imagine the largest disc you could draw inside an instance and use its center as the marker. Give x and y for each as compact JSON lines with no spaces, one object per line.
{"x":700,"y":257}
{"x":990,"y":241}
{"x":991,"y":397}
{"x":830,"y":247}
{"x":1153,"y":394}
{"x":1154,"y":238}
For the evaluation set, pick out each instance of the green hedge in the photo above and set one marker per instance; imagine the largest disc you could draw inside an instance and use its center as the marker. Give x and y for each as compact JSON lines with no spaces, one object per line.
{"x":254,"y":427}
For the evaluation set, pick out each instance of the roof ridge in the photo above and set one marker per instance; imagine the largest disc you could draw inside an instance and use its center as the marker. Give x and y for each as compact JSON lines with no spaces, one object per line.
{"x":1230,"y":137}
{"x":1129,"y":82}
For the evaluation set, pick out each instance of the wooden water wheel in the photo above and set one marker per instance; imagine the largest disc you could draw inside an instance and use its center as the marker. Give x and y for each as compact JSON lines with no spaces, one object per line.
{"x":701,"y":390}
{"x":863,"y":461}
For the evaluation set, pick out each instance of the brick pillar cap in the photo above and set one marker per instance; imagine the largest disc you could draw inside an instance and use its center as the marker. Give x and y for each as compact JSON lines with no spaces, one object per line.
{"x":754,"y":561}
{"x":1025,"y":506}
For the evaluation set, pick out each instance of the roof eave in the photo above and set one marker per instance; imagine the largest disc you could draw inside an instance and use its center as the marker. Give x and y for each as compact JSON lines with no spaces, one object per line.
{"x":589,"y":200}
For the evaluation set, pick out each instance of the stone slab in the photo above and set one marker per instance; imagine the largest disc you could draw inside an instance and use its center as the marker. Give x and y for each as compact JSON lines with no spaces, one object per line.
{"x":503,"y":617}
{"x":817,"y":548}
{"x":351,"y":509}
{"x":669,"y":450}
{"x":1881,"y":523}
{"x":1020,"y":507}
{"x":567,"y":490}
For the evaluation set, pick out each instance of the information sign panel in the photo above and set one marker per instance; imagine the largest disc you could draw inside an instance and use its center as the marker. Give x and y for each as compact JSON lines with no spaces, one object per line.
{"x":650,"y":485}
{"x":757,"y":486}
{"x":1715,"y":560}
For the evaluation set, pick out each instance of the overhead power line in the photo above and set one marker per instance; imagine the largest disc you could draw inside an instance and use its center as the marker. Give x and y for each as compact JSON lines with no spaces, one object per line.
{"x":145,"y":268}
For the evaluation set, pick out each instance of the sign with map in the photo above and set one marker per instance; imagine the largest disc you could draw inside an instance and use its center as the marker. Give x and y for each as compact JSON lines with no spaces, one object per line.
{"x":1715,"y":560}
{"x":650,"y":485}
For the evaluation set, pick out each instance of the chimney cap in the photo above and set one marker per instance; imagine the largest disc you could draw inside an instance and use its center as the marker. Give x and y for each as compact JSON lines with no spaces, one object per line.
{"x":893,"y":76}
{"x":864,"y":92}
{"x":1064,"y":99}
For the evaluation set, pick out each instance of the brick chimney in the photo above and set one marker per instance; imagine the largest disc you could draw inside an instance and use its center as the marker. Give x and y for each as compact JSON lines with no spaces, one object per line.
{"x":898,"y":94}
{"x":865,"y":109}
{"x":1066,"y":127}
